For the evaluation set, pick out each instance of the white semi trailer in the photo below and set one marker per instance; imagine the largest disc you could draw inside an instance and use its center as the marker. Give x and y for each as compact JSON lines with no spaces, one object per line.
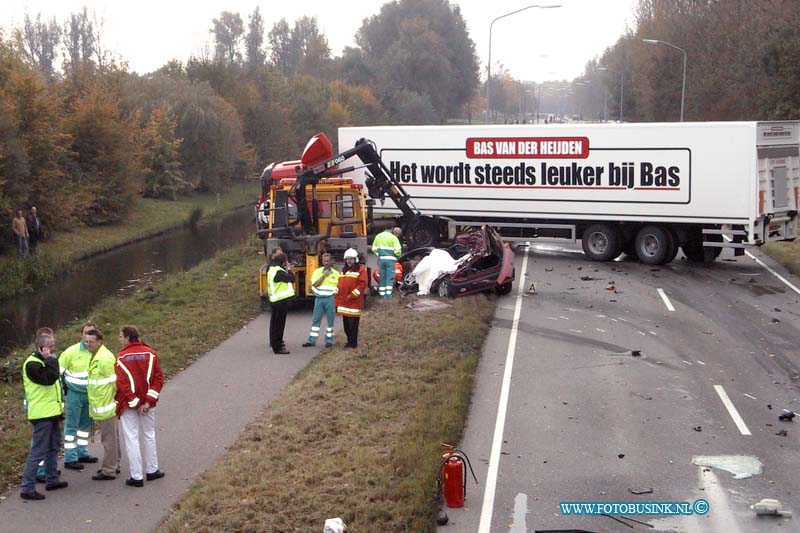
{"x":642,"y":189}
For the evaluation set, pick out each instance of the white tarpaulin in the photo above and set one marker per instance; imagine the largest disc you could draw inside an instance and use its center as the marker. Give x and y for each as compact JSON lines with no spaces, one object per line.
{"x":432,"y":266}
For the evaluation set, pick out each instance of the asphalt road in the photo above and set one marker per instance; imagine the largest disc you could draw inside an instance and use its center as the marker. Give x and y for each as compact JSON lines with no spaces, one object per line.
{"x":200,"y":413}
{"x":586,"y":420}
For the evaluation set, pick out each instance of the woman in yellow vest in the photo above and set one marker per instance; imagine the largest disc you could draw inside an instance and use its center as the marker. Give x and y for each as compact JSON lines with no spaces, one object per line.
{"x":40,"y":378}
{"x":280,"y":287}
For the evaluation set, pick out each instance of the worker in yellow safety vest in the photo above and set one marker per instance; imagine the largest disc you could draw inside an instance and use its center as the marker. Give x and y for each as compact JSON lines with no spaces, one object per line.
{"x":74,"y":366}
{"x":386,"y":246}
{"x":324,"y":281}
{"x":280,"y":288}
{"x":101,"y":390}
{"x":45,"y":409}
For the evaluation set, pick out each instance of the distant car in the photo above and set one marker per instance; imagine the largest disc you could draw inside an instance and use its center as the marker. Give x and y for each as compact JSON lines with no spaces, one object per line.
{"x":490,"y":265}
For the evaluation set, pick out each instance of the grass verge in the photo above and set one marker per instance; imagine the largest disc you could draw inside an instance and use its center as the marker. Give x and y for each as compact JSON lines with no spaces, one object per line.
{"x":147,"y":217}
{"x":786,"y":253}
{"x":161,"y":312}
{"x":356,"y":434}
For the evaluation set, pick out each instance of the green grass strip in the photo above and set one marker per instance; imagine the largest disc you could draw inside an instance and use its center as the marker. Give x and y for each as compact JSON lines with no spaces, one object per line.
{"x":356,"y":434}
{"x":227,"y":282}
{"x":786,"y":253}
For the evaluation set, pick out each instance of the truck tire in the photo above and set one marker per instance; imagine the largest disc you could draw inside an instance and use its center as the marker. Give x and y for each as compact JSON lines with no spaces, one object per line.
{"x":601,"y":242}
{"x":653,"y":245}
{"x":422,"y":234}
{"x":673,"y":253}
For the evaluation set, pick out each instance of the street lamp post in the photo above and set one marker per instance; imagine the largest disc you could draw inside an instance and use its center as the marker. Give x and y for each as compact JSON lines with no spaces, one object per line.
{"x":621,"y":86}
{"x":489,"y":65}
{"x":683,"y":85}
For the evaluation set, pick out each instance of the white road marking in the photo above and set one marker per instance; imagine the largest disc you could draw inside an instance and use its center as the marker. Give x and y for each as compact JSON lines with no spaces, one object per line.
{"x":751,"y":397}
{"x":687,"y":362}
{"x":786,"y":281}
{"x":500,"y":422}
{"x":600,"y":330}
{"x":760,"y":262}
{"x":576,"y":331}
{"x":666,"y":300}
{"x":737,"y":419}
{"x":699,"y":362}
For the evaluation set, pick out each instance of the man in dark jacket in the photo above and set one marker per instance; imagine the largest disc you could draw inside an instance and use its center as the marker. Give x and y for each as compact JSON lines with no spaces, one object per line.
{"x":34,"y":230}
{"x":40,"y":378}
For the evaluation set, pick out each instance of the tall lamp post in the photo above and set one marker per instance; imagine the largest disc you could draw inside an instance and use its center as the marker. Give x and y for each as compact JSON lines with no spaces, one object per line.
{"x":683,"y":85}
{"x":489,"y":66}
{"x":621,"y":85}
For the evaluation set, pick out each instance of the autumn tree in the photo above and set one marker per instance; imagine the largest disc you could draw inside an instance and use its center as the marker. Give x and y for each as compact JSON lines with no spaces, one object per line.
{"x":422,"y":47}
{"x":104,"y":142}
{"x":254,"y":54}
{"x":161,"y":165}
{"x":39,"y":42}
{"x":228,"y":30}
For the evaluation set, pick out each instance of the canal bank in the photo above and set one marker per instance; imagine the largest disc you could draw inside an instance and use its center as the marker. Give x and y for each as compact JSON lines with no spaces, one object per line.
{"x":64,"y":250}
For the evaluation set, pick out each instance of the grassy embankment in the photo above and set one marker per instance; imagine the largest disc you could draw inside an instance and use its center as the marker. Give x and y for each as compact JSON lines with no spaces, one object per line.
{"x":147,"y":217}
{"x":786,"y":253}
{"x":162,"y":312}
{"x":355,"y":435}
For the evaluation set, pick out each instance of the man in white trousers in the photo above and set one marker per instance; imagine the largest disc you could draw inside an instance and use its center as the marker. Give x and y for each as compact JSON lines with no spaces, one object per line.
{"x":139,"y":382}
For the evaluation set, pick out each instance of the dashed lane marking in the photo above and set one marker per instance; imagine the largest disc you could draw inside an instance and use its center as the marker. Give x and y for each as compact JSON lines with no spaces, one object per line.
{"x":737,"y":419}
{"x":666,"y":300}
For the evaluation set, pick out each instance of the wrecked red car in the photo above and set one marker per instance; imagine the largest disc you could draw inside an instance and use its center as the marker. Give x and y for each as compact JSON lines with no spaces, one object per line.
{"x":487,"y":264}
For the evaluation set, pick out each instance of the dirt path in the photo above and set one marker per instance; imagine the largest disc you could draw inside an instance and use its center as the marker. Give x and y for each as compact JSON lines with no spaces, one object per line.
{"x":200,"y":413}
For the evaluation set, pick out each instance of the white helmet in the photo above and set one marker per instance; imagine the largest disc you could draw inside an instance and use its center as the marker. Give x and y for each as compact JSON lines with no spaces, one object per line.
{"x":351,"y":252}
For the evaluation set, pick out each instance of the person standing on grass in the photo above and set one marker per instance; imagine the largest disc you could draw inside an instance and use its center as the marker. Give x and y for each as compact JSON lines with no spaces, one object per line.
{"x":280,"y":289}
{"x":34,"y":230}
{"x":101,"y":390}
{"x":324,"y":281}
{"x":350,"y":295}
{"x":139,"y":382}
{"x":20,"y":228}
{"x":386,"y":246}
{"x":74,"y":365}
{"x":45,"y":411}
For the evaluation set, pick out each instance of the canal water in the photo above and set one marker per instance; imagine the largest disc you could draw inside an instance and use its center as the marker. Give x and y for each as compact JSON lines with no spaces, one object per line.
{"x":118,"y":272}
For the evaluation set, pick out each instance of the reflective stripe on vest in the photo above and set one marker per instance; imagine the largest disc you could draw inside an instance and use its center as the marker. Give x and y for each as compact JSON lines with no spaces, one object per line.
{"x":279,"y":290}
{"x":328,"y":285}
{"x":104,"y":409}
{"x":348,"y":311}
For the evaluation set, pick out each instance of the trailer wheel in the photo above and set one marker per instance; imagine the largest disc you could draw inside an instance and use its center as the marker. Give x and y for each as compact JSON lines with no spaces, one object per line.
{"x":673,"y":252}
{"x":601,"y":242}
{"x":653,"y":245}
{"x":422,"y":235}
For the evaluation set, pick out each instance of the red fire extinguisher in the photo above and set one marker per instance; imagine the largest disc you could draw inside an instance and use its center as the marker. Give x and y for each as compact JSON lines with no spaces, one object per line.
{"x":453,"y":476}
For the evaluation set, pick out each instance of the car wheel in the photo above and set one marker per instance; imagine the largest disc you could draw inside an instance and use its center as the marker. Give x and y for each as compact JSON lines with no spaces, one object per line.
{"x":443,"y":287}
{"x":422,"y":235}
{"x":503,"y":289}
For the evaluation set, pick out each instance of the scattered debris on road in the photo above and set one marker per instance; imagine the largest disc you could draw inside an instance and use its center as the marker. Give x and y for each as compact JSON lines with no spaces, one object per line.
{"x":698,"y":428}
{"x":637,"y":492}
{"x":782,"y":433}
{"x":786,"y":417}
{"x":770,"y":507}
{"x":642,"y":396}
{"x":741,"y":466}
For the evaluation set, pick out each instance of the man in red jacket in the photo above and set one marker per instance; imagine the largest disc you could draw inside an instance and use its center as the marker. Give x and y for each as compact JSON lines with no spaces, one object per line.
{"x":139,"y":382}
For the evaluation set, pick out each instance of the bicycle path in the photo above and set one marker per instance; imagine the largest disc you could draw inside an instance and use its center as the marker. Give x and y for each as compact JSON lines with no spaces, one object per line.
{"x":200,"y":413}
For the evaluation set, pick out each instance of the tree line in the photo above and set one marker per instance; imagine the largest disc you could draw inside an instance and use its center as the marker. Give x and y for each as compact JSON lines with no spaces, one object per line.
{"x":81,"y":136}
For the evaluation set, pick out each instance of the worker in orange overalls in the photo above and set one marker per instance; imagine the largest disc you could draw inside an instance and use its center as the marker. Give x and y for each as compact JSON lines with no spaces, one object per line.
{"x":350,"y":295}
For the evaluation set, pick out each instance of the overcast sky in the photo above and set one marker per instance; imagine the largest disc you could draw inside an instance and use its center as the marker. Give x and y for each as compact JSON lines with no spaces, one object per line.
{"x":534,"y":45}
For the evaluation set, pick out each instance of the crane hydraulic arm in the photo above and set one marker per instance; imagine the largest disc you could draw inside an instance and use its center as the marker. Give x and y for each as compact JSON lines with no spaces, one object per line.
{"x":420,"y":230}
